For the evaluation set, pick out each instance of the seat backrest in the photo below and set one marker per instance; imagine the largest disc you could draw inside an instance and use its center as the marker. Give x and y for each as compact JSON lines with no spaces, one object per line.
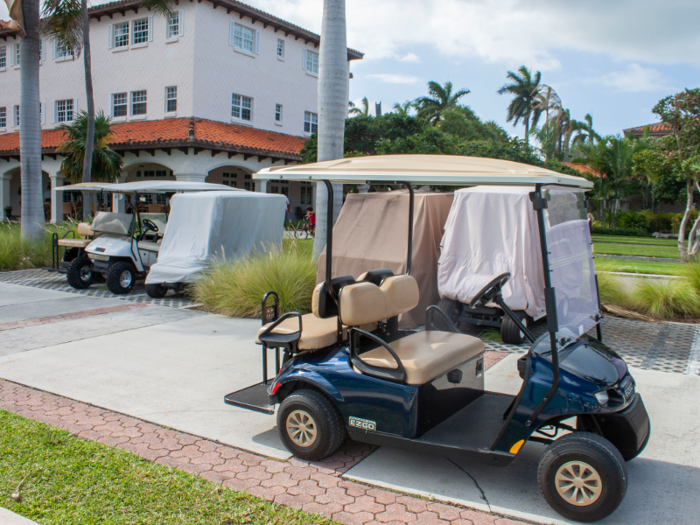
{"x":365,"y":302}
{"x":85,"y":229}
{"x":322,"y":304}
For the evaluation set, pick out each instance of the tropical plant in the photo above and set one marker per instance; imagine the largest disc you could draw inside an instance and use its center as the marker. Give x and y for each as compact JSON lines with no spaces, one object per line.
{"x":439,"y":100}
{"x":332,"y":92}
{"x":106,"y":163}
{"x":364,"y":112}
{"x":403,"y":109}
{"x":666,"y":299}
{"x":681,"y":114}
{"x":525,"y":90}
{"x":584,"y":132}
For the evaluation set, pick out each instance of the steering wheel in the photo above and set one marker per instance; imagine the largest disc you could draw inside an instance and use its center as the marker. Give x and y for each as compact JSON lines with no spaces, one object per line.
{"x":489,"y":291}
{"x":149,"y":225}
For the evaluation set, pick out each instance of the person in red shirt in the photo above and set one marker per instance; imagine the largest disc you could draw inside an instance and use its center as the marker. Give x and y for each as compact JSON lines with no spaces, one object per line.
{"x":311,"y":217}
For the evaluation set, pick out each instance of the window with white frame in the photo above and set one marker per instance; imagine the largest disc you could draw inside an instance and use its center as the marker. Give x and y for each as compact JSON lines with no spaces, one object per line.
{"x":140,"y":31}
{"x":174,"y":22}
{"x":121,"y":34}
{"x":16,"y":116}
{"x":244,"y":38}
{"x":63,"y":51}
{"x":280,"y":48}
{"x":307,"y":195}
{"x":310,"y":122}
{"x":17,"y":56}
{"x":248,"y":182}
{"x":119,"y":104}
{"x":170,"y":99}
{"x":3,"y":117}
{"x":64,"y":110}
{"x":241,"y":107}
{"x":227,"y":176}
{"x":278,"y":113}
{"x":3,"y":57}
{"x":311,"y":61}
{"x":138,"y":102}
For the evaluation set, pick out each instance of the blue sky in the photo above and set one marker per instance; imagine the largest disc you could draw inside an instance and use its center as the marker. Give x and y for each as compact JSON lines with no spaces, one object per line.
{"x":613,"y":59}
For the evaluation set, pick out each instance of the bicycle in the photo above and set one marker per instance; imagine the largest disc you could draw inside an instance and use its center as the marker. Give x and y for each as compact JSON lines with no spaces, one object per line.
{"x":304,"y":230}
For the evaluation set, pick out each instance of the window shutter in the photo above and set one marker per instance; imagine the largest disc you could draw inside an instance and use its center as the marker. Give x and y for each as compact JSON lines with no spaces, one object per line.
{"x":43,"y":50}
{"x":150,"y":28}
{"x":181,"y":20}
{"x":42,"y":107}
{"x":53,"y":112}
{"x":303,"y":59}
{"x":12,"y":54}
{"x":75,"y":108}
{"x":257,"y":42}
{"x":231,"y":30}
{"x":110,"y":30}
{"x":53,"y":49}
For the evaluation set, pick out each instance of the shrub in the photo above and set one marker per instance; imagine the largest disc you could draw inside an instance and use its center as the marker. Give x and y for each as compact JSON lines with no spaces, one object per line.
{"x":632,"y":219}
{"x":611,"y":290}
{"x":666,"y":300}
{"x":659,"y":222}
{"x":22,"y":254}
{"x":634,"y":232}
{"x":678,"y":217}
{"x":692,"y":274}
{"x":236,"y":288}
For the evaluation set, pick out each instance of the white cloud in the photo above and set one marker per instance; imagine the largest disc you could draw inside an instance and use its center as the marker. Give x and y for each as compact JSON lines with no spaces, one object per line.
{"x":410,"y":57}
{"x":635,"y":79}
{"x":393,"y":78}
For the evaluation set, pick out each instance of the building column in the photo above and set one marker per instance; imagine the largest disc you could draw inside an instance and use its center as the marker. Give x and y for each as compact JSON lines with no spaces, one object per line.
{"x":191,"y":177}
{"x":56,"y":197}
{"x":5,"y":180}
{"x":261,"y":186}
{"x":118,"y":199}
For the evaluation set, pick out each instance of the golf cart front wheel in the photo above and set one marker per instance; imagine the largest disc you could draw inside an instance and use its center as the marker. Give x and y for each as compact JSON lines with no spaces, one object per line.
{"x":309,"y":425}
{"x":121,"y":277}
{"x":156,"y":291}
{"x":80,"y":273}
{"x":583,"y":477}
{"x":510,"y":333}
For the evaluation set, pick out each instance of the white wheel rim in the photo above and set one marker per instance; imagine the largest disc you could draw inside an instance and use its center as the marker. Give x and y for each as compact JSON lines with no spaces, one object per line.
{"x":578,"y":483}
{"x":125,"y":279}
{"x":301,"y":428}
{"x":85,"y":273}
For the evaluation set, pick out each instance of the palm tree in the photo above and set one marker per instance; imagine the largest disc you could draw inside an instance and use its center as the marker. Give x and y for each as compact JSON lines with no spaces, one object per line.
{"x":106,"y":163}
{"x":68,"y":22}
{"x":524,"y":88}
{"x":584,"y":131}
{"x":439,"y":99}
{"x":355,"y":111}
{"x":332,"y":109}
{"x":30,"y":121}
{"x":402,"y":109}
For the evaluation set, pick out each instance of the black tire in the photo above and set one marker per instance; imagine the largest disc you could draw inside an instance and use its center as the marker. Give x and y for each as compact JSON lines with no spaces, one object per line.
{"x":156,"y":291}
{"x":452,"y":309}
{"x":587,"y":456}
{"x":301,"y":233}
{"x":510,"y":333}
{"x":322,"y":419}
{"x":80,"y":274}
{"x":116,"y":280}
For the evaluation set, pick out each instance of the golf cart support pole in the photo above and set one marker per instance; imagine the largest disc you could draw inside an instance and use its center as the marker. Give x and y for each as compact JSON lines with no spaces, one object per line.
{"x":539,"y":203}
{"x":329,"y":240}
{"x":411,"y":199}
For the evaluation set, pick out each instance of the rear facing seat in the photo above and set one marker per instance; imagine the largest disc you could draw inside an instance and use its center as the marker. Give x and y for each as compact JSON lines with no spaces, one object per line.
{"x":424,"y":355}
{"x":84,"y":229}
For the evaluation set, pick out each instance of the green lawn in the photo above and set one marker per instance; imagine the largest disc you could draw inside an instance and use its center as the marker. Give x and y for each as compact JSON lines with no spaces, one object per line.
{"x":669,"y":252}
{"x":72,"y":480}
{"x":636,"y":266}
{"x":621,"y":239}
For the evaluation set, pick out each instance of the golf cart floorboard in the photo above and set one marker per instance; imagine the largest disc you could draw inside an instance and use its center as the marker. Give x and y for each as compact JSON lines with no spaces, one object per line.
{"x":474,"y":427}
{"x":252,"y":398}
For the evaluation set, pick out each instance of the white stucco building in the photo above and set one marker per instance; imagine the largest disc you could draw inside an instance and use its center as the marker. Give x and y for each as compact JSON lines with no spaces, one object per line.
{"x":213,"y":93}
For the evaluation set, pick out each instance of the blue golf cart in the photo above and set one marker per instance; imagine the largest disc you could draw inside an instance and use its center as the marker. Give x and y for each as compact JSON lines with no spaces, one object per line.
{"x":347,"y":369}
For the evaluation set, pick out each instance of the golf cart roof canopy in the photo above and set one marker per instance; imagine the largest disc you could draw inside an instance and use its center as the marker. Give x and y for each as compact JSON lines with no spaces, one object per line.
{"x":434,"y":170}
{"x":166,"y":186}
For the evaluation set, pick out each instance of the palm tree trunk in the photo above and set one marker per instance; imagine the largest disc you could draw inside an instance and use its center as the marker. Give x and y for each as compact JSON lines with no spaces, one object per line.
{"x":333,"y":97}
{"x":30,"y":124}
{"x":90,"y":136}
{"x":527,"y":129}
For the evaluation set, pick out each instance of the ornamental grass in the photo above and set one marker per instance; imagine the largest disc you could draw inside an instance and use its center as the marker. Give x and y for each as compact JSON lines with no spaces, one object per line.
{"x":236,"y":288}
{"x":23,"y":254}
{"x":666,"y":300}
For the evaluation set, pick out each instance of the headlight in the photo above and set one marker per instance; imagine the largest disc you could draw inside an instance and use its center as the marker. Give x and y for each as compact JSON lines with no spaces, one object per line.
{"x":602,"y":397}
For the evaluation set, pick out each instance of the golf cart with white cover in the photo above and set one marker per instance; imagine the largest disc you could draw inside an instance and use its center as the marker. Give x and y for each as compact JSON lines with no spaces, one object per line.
{"x":213,"y":226}
{"x":474,"y":249}
{"x":347,"y":368}
{"x":126,"y":245}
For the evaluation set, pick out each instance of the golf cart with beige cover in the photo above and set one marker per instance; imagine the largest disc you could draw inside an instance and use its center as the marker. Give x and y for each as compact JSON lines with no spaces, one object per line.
{"x":347,"y":368}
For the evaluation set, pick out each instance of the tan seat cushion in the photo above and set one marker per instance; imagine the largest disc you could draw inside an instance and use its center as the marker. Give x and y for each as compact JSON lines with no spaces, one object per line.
{"x":365,"y":302}
{"x":74,"y":243}
{"x":316,"y":332}
{"x":85,"y":229}
{"x":150,"y":246}
{"x":426,"y":355}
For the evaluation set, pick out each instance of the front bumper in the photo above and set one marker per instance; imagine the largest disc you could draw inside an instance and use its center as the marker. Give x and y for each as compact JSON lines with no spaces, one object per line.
{"x":627,"y":429}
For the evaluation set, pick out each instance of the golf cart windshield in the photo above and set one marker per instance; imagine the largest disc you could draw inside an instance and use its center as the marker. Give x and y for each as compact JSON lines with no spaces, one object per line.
{"x":571,"y":262}
{"x":108,"y":222}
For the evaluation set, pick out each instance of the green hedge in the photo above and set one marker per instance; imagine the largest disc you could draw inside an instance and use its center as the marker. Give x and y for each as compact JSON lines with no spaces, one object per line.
{"x":633,"y":232}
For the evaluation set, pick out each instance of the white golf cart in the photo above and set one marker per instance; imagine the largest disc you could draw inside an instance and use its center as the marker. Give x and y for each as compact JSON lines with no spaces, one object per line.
{"x":126,"y":245}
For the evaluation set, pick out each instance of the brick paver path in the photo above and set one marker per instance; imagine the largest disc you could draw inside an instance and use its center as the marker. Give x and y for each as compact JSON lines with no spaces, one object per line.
{"x":316,"y":487}
{"x":36,"y":321}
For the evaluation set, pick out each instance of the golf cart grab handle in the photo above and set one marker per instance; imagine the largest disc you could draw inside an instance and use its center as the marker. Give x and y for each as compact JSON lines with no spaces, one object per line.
{"x":276,"y":323}
{"x":398,"y":374}
{"x":436,"y":308}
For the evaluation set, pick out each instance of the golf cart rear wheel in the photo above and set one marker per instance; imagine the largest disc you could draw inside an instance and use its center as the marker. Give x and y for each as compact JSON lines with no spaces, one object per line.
{"x":310,"y":425}
{"x":156,"y":291}
{"x":121,"y":277}
{"x":583,"y":477}
{"x":510,"y":333}
{"x":80,"y":273}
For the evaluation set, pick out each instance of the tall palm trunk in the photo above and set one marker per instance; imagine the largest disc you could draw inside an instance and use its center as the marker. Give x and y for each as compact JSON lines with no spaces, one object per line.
{"x":30,"y":124}
{"x":527,"y":129}
{"x":332,"y":107}
{"x":90,"y":135}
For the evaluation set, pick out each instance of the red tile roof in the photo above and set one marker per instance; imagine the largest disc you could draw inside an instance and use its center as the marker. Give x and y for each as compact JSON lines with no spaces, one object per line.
{"x":179,"y":133}
{"x":584,"y":170}
{"x":659,"y":129}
